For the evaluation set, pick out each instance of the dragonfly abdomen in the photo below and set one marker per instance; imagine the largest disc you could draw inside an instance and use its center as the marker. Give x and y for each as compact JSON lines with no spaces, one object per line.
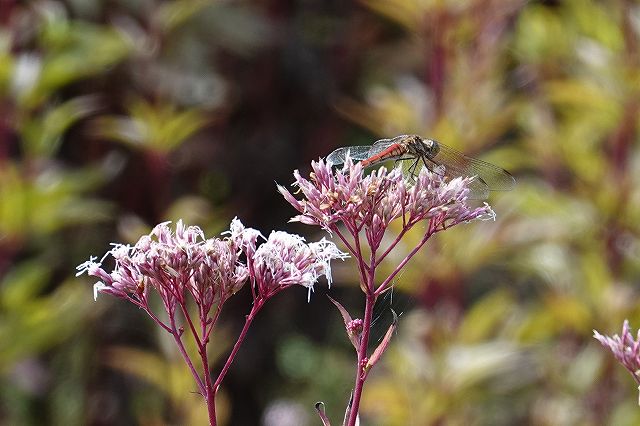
{"x":392,"y":151}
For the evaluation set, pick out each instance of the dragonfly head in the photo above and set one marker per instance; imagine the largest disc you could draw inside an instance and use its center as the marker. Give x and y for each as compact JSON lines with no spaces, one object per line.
{"x":426,"y":147}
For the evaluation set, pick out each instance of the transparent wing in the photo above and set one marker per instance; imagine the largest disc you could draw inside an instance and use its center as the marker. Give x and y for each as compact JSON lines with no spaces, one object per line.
{"x":478,"y":189}
{"x":338,"y":156}
{"x":456,"y":164}
{"x":379,"y":146}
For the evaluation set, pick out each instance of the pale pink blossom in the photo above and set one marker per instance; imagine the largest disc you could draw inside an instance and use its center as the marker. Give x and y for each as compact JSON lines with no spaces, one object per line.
{"x":173,"y":264}
{"x":183,"y":262}
{"x":625,"y":349}
{"x":184,"y":267}
{"x":371,"y":202}
{"x":285,"y":260}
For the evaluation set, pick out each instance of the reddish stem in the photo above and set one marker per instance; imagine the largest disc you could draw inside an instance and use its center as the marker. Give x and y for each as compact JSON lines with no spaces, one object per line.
{"x":177,"y":336}
{"x":355,"y":253}
{"x":361,"y":373}
{"x":371,"y":296}
{"x":210,"y":390}
{"x":364,"y":270}
{"x":196,"y":337}
{"x":382,"y":287}
{"x":214,"y":321}
{"x":393,"y":244}
{"x":254,"y":311}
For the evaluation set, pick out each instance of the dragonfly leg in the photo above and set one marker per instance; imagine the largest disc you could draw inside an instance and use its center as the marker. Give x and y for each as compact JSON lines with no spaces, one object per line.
{"x":413,"y":169}
{"x":398,"y":160}
{"x":436,"y":168}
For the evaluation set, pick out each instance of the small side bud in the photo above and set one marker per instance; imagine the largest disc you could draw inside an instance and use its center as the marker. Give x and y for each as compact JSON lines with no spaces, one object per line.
{"x":353,"y":327}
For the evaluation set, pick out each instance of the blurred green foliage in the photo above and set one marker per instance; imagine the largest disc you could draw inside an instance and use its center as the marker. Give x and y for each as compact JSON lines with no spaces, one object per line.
{"x":117,"y":115}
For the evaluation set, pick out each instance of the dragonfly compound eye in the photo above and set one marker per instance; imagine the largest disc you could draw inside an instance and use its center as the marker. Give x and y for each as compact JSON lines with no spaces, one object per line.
{"x":432,"y":148}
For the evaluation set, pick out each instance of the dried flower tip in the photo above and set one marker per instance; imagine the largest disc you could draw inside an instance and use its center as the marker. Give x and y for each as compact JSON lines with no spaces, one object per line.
{"x":625,"y":349}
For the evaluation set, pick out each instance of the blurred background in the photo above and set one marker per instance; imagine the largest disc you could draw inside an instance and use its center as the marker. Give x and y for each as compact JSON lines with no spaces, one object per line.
{"x":118,"y":114}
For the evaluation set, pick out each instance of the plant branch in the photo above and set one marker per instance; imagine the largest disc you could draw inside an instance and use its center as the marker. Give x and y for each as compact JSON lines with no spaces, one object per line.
{"x":361,"y":373}
{"x":250,"y":317}
{"x":382,"y":287}
{"x":177,"y":336}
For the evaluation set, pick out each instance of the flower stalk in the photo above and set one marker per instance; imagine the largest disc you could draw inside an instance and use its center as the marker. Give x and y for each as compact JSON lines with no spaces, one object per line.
{"x":359,"y":210}
{"x":194,"y":276}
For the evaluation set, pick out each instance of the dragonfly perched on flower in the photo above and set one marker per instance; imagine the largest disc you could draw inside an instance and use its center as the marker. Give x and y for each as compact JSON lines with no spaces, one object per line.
{"x":415,"y":152}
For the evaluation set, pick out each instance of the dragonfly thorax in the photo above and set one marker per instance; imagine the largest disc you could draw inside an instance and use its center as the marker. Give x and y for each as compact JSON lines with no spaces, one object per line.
{"x":419,"y":147}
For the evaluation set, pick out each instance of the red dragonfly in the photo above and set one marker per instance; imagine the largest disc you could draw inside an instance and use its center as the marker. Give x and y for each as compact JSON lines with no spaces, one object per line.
{"x":415,"y":152}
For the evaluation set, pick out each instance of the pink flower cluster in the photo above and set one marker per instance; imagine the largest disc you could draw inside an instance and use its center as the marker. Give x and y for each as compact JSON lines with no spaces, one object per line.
{"x":285,"y":259}
{"x":184,"y":262}
{"x":184,"y":266}
{"x":624,"y":348}
{"x":359,"y":209}
{"x":372,"y":202}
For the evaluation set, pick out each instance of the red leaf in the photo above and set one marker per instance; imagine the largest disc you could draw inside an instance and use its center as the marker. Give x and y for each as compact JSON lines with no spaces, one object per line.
{"x":375,"y":356}
{"x":355,"y":341}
